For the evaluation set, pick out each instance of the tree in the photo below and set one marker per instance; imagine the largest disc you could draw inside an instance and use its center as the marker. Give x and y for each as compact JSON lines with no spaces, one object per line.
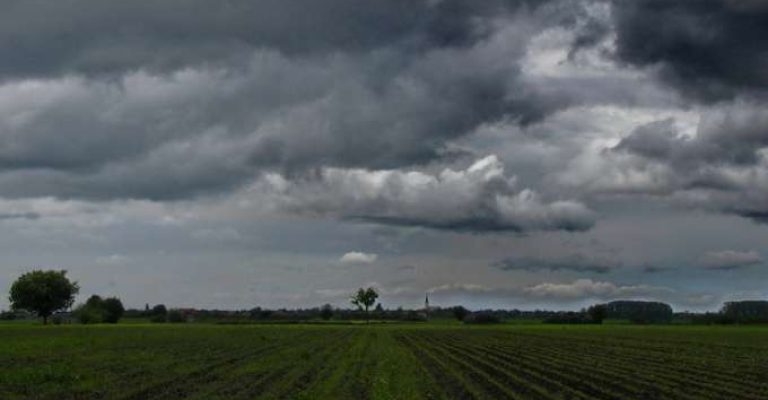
{"x":43,"y":292}
{"x":364,"y":299}
{"x":639,"y":312}
{"x":750,"y":311}
{"x":95,"y":301}
{"x":459,"y":312}
{"x":326,"y":312}
{"x":97,"y":309}
{"x":158,"y":313}
{"x":113,"y":310}
{"x":597,"y":313}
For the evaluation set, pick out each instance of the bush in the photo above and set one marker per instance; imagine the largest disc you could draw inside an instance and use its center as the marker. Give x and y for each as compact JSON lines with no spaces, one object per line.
{"x":158,"y":314}
{"x":7,"y":316}
{"x":88,"y":314}
{"x":482,"y":318}
{"x":459,"y":312}
{"x":326,"y":312}
{"x":175,"y":316}
{"x":97,"y":309}
{"x":597,"y":313}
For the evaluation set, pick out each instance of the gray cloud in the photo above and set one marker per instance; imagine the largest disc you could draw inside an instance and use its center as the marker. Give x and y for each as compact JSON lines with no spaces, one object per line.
{"x":580,"y":292}
{"x":731,"y":135}
{"x":730,"y":259}
{"x":576,"y":262}
{"x":587,"y":288}
{"x":170,"y":104}
{"x":721,"y":166}
{"x":106,"y":38}
{"x":710,"y":49}
{"x":23,"y":215}
{"x":480,"y":198}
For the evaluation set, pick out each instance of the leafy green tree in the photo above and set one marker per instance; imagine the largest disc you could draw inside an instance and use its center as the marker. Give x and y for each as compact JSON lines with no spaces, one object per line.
{"x":597,"y":313}
{"x":459,"y":312}
{"x":326,"y":312}
{"x":158,"y":313}
{"x":97,"y":309}
{"x":364,"y":299}
{"x":113,"y":310}
{"x":43,"y":292}
{"x":95,"y":301}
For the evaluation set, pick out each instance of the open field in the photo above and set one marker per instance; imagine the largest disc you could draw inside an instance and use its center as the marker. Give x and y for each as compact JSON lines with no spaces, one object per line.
{"x":383,"y":362}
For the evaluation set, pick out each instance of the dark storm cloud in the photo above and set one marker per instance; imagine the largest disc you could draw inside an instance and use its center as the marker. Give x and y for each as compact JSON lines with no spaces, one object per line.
{"x":710,"y":49}
{"x":171,"y":100}
{"x":732,"y":137}
{"x":41,"y":38}
{"x":575,"y":262}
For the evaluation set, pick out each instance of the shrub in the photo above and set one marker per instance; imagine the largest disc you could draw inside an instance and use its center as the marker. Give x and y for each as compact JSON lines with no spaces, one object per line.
{"x":158,"y":314}
{"x":175,"y":316}
{"x":88,"y":314}
{"x":326,"y":312}
{"x":459,"y":312}
{"x":597,"y":313}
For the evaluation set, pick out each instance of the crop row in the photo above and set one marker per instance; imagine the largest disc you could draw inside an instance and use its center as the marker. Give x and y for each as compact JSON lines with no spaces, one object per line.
{"x":513,"y":365}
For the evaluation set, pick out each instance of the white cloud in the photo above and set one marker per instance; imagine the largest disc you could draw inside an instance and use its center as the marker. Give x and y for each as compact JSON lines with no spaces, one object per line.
{"x":357,"y":257}
{"x":587,"y":288}
{"x":480,"y":198}
{"x":460,"y":287}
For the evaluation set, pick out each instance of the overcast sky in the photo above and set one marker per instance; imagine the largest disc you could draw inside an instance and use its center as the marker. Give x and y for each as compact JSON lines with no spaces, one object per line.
{"x":282,"y":153}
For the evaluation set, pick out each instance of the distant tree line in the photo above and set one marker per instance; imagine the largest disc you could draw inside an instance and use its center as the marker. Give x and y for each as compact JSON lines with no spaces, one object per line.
{"x":733,"y":312}
{"x":47,"y":294}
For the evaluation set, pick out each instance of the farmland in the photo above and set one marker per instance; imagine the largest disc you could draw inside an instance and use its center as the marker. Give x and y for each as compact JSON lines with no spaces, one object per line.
{"x":416,"y":361}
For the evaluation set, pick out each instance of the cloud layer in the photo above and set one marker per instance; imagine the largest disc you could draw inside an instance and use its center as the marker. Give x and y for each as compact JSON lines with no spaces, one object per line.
{"x":480,"y":198}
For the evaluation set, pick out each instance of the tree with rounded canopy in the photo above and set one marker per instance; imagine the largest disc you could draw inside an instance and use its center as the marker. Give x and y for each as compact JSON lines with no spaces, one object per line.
{"x":98,"y":309}
{"x":43,"y":292}
{"x":113,"y":310}
{"x":364,"y":299}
